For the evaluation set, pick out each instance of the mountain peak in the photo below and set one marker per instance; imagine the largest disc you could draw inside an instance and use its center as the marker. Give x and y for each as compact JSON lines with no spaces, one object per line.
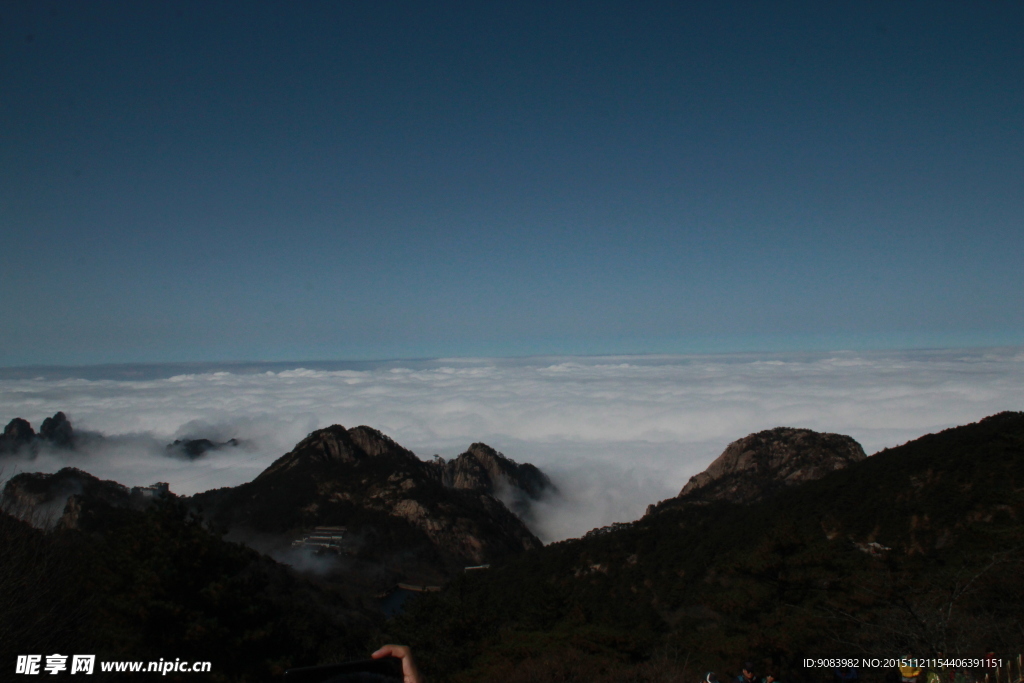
{"x":401,"y":514}
{"x":375,"y":443}
{"x":324,"y":446}
{"x":327,"y":445}
{"x":481,"y":468}
{"x":55,"y":431}
{"x":761,"y":464}
{"x":335,"y":444}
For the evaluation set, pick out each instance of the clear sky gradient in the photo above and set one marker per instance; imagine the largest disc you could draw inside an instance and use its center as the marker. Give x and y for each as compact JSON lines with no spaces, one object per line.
{"x":212,"y":181}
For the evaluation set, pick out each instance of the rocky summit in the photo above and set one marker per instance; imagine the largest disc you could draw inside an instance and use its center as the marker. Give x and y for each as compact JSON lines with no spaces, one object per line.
{"x":55,"y":432}
{"x":17,"y":433}
{"x":760,"y":465}
{"x":483,"y":469}
{"x":428,"y":519}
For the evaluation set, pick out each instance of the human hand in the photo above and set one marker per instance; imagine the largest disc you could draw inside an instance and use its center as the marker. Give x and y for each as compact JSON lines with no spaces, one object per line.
{"x":409,"y":671}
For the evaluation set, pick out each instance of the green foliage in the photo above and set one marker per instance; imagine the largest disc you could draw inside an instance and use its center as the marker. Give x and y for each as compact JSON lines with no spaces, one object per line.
{"x":44,"y":603}
{"x":160,"y":585}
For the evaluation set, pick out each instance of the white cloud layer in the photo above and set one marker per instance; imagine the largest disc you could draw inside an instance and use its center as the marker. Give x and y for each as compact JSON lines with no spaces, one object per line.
{"x":615,"y":433}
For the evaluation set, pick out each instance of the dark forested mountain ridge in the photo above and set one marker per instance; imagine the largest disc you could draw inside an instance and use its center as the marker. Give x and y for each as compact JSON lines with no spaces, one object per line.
{"x":132,"y":573}
{"x":915,"y":549}
{"x":403,"y":519}
{"x":48,"y":500}
{"x":138,"y":584}
{"x":398,"y":506}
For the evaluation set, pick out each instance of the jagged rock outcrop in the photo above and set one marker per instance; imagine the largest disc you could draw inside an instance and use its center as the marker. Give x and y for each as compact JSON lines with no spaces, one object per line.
{"x":375,"y":443}
{"x":760,"y":465}
{"x":17,"y":433}
{"x":483,"y":469}
{"x":757,"y":466}
{"x":335,"y":444}
{"x":361,"y":479}
{"x":55,"y":431}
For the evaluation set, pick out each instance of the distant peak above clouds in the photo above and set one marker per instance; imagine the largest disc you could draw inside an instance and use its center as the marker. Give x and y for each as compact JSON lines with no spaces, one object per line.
{"x":481,"y":468}
{"x":55,"y":431}
{"x":197,"y":448}
{"x":335,"y":444}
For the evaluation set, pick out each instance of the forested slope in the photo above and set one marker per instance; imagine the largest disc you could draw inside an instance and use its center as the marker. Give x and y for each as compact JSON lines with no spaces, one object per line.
{"x":917,"y":549}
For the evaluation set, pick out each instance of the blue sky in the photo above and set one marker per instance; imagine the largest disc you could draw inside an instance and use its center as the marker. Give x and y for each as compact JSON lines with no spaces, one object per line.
{"x":284,"y":181}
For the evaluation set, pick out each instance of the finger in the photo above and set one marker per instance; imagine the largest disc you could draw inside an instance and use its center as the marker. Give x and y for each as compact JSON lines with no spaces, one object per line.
{"x":400,"y":651}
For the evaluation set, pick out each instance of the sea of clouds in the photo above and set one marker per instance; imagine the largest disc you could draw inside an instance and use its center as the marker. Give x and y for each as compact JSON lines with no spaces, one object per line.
{"x":614,"y":433}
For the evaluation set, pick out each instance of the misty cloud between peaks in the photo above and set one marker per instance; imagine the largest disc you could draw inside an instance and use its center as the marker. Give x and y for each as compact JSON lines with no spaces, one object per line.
{"x":614,"y":433}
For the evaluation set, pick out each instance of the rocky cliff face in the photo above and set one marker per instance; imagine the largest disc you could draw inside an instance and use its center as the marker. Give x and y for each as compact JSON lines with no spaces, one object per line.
{"x":47,"y":500}
{"x":382,"y":493}
{"x":57,"y":430}
{"x":483,"y":469}
{"x":17,"y":433}
{"x":760,"y":465}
